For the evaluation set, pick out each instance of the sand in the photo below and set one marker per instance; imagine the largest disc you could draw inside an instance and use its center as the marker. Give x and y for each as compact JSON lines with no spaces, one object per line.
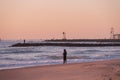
{"x":100,"y":70}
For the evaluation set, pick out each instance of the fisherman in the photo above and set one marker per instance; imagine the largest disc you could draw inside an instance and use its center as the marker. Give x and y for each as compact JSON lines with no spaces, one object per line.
{"x":64,"y":56}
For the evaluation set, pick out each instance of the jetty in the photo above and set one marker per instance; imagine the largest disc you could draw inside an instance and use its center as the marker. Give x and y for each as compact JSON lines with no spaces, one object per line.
{"x":73,"y":43}
{"x":83,"y":40}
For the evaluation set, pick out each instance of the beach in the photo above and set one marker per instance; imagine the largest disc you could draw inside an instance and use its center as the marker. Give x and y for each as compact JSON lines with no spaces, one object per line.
{"x":99,"y":70}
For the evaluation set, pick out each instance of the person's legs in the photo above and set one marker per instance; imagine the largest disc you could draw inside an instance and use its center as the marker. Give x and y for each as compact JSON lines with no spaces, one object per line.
{"x":65,"y":61}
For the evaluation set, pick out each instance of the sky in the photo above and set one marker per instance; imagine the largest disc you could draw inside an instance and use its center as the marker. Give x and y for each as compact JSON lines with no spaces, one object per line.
{"x":47,"y":19}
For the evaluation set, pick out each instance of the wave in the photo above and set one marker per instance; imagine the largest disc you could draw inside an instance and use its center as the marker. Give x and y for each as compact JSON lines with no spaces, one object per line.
{"x":55,"y":57}
{"x":19,"y":50}
{"x":94,"y":51}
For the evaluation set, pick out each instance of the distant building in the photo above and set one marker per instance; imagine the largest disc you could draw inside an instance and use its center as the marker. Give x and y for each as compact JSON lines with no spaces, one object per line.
{"x":116,"y":36}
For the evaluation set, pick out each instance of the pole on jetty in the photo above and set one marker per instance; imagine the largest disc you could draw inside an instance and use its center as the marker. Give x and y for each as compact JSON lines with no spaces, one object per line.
{"x":64,"y":36}
{"x":24,"y":41}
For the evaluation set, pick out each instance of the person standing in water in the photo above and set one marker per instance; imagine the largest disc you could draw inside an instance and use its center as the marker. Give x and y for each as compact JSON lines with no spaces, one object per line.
{"x":64,"y":56}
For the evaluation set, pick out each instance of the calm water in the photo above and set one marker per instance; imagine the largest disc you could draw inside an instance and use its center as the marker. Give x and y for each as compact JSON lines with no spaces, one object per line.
{"x":17,"y":57}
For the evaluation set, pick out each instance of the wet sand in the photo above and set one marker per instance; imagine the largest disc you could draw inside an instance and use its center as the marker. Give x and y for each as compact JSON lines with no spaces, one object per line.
{"x":100,"y":70}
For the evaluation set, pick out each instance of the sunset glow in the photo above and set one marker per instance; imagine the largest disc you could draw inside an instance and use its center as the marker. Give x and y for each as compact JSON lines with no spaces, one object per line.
{"x":47,"y":19}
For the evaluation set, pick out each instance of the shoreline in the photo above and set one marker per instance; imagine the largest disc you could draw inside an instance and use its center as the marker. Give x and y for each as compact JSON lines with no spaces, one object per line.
{"x":50,"y":65}
{"x":98,"y":70}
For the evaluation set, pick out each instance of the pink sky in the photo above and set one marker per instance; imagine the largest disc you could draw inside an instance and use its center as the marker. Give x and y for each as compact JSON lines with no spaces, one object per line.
{"x":46,"y":19}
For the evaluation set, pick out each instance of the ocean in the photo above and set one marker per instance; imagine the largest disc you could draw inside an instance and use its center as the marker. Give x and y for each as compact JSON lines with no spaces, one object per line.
{"x":19,"y":57}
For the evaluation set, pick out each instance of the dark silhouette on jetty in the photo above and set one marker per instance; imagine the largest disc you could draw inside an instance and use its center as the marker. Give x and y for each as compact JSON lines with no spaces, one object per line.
{"x":72,"y":43}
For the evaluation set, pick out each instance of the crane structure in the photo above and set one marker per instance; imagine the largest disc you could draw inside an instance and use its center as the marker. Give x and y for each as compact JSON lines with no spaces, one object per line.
{"x":113,"y":35}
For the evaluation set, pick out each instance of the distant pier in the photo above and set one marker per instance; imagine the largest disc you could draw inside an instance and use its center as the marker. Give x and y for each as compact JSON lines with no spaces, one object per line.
{"x":73,"y":43}
{"x":84,"y":40}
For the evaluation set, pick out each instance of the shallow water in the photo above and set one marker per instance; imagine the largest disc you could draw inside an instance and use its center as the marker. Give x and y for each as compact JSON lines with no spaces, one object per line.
{"x":17,"y":57}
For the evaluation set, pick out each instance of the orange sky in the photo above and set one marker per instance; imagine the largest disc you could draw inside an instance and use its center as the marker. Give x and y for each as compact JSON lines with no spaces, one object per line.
{"x":46,"y":19}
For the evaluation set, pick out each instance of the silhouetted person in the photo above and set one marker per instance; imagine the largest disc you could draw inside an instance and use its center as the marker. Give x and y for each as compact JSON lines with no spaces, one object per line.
{"x":24,"y":41}
{"x":64,"y":56}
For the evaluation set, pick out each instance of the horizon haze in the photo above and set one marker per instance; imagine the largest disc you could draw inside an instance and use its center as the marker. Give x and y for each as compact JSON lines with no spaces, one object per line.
{"x":47,"y":19}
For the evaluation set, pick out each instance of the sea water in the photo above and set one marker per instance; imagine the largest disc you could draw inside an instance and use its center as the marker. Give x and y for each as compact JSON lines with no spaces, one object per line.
{"x":18,"y":57}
